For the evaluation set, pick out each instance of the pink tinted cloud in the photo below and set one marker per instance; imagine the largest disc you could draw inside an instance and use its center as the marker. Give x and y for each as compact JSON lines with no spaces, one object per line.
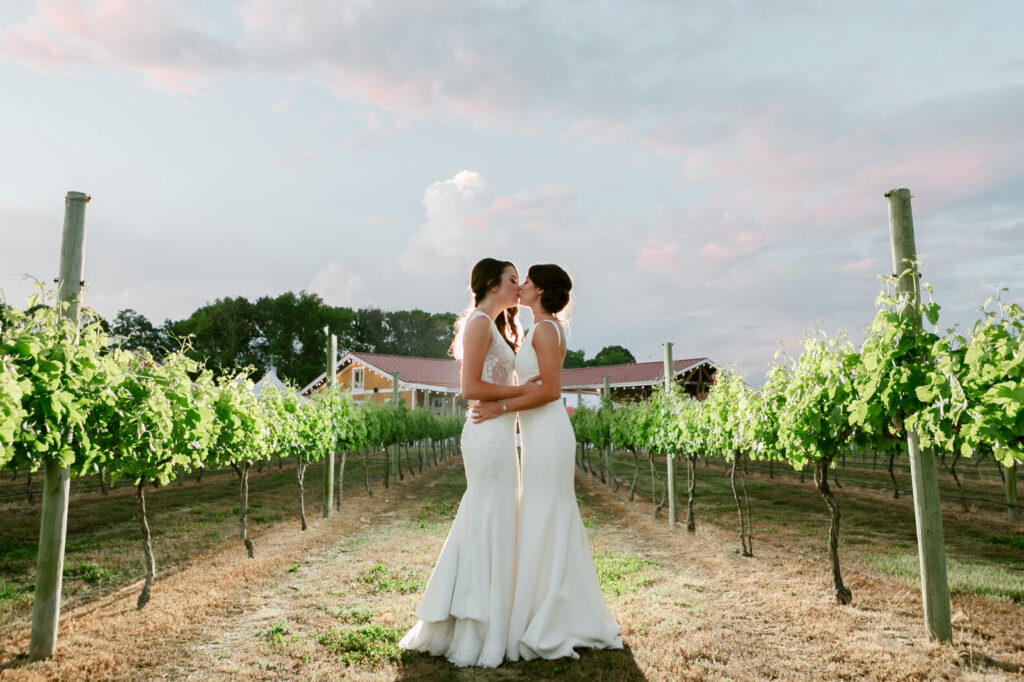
{"x":659,"y":256}
{"x":864,"y":265}
{"x":539,"y":225}
{"x":534,"y":210}
{"x":503,"y":203}
{"x":594,"y":133}
{"x":733,"y":245}
{"x":140,"y":36}
{"x":376,"y":129}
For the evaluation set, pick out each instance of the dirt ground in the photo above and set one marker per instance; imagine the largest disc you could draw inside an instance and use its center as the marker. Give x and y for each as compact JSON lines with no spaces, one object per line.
{"x":689,"y":607}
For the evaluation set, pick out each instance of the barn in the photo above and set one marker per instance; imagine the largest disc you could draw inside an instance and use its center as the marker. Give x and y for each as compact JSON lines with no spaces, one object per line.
{"x":434,"y":382}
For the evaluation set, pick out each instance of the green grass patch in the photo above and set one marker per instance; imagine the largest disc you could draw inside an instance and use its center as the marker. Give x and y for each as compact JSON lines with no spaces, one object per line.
{"x":401,"y":580}
{"x":293,"y":569}
{"x":12,"y":592}
{"x":279,"y":634}
{"x":352,"y":544}
{"x":990,"y":580}
{"x":90,"y":573}
{"x":356,"y":616}
{"x":12,"y":551}
{"x":1008,"y":540}
{"x":440,"y":509}
{"x":364,"y":644}
{"x":594,"y":519}
{"x":621,"y":573}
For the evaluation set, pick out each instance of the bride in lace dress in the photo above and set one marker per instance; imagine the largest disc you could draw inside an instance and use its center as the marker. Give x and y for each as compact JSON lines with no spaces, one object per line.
{"x":465,"y":608}
{"x":558,"y":603}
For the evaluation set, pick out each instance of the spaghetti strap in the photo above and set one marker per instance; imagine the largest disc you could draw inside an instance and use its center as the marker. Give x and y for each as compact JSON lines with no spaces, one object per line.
{"x":558,"y":327}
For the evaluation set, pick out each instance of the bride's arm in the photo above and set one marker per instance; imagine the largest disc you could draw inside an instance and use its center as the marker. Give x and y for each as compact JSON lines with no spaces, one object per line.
{"x":549,"y":363}
{"x":475,"y":342}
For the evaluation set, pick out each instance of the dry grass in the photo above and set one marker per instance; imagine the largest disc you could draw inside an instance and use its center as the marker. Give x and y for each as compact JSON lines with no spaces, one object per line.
{"x":689,"y":606}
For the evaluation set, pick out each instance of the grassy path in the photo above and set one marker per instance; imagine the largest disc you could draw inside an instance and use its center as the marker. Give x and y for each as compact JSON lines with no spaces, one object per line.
{"x":331,"y":603}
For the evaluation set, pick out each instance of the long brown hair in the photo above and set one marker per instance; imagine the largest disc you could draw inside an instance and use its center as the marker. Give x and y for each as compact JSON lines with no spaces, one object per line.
{"x":486,"y":274}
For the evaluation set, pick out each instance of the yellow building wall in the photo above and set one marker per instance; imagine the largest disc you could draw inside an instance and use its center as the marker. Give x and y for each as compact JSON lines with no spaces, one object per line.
{"x":372,"y":380}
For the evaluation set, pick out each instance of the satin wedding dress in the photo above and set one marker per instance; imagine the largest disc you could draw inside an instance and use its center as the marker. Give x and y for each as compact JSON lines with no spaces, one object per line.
{"x":557,"y":602}
{"x":465,"y":608}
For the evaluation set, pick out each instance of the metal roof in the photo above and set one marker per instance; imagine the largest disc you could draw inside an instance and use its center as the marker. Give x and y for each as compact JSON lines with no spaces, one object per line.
{"x":441,"y":374}
{"x":632,"y":374}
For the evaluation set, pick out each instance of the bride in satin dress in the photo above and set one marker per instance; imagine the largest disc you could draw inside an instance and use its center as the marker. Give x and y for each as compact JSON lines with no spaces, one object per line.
{"x":465,"y":608}
{"x":557,"y":603}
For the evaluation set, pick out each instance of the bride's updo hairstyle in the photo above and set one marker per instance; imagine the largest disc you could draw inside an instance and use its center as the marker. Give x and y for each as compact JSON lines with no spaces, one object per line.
{"x":486,"y":274}
{"x":555,"y":285}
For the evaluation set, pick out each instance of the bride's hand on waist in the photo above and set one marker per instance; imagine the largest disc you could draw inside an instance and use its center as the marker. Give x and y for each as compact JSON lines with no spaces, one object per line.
{"x":487,"y":409}
{"x":530,"y":385}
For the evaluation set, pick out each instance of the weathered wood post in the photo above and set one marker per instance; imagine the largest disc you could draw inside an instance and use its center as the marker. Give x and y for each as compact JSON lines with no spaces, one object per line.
{"x":393,"y":454}
{"x":1010,"y":481}
{"x":669,"y":461}
{"x":931,"y":546}
{"x":57,"y":478}
{"x":610,"y":474}
{"x":330,"y":385}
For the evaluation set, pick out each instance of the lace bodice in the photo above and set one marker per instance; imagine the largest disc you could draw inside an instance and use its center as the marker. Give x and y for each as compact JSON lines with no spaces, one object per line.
{"x":499,"y":359}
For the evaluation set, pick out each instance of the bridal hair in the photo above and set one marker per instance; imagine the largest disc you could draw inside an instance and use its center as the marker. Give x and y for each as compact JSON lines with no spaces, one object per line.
{"x":555,"y":285}
{"x":486,"y":274}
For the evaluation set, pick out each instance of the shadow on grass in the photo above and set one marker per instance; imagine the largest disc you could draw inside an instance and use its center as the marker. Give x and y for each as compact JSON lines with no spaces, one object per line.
{"x":602,"y":664}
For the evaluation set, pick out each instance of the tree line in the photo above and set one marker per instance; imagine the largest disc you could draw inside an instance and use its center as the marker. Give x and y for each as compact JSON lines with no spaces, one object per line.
{"x":287,"y":331}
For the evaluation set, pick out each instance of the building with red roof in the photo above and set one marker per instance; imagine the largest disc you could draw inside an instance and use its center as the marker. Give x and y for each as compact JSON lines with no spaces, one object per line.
{"x":434,"y":382}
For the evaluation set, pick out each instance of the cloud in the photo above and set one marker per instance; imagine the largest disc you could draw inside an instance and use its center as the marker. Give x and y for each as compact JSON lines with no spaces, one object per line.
{"x":377,"y":127}
{"x":760,"y":206}
{"x":73,"y":36}
{"x":659,"y":256}
{"x":296,"y":162}
{"x":281,"y":106}
{"x":339,"y":285}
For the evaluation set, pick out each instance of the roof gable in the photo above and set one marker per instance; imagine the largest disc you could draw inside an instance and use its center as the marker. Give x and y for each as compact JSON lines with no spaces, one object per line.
{"x":443,"y":373}
{"x":632,"y":374}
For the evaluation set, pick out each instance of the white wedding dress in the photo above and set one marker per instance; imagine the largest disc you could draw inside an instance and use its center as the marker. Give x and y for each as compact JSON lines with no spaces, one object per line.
{"x":465,"y":607}
{"x":558,"y":603}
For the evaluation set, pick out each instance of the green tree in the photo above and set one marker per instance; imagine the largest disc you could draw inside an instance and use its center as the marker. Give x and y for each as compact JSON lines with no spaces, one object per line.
{"x":611,"y":355}
{"x":419,"y":333}
{"x":134,"y":331}
{"x":371,"y":331}
{"x":574,"y":359}
{"x":291,"y":333}
{"x":224,"y":334}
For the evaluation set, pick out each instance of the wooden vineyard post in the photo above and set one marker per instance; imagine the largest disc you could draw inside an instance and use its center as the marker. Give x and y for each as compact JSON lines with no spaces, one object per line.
{"x":670,"y":462}
{"x":57,"y":478}
{"x":332,"y":380}
{"x":579,"y":446}
{"x":609,"y":473}
{"x":393,"y":453}
{"x":1010,"y":480}
{"x":931,"y":546}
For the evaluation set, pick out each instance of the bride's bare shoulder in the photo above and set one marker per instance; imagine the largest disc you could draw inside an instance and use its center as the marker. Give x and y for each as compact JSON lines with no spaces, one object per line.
{"x":477,"y":332}
{"x":547,"y":335}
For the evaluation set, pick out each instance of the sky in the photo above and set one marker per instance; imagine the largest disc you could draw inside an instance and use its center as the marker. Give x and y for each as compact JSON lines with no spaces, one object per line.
{"x":711,"y":174}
